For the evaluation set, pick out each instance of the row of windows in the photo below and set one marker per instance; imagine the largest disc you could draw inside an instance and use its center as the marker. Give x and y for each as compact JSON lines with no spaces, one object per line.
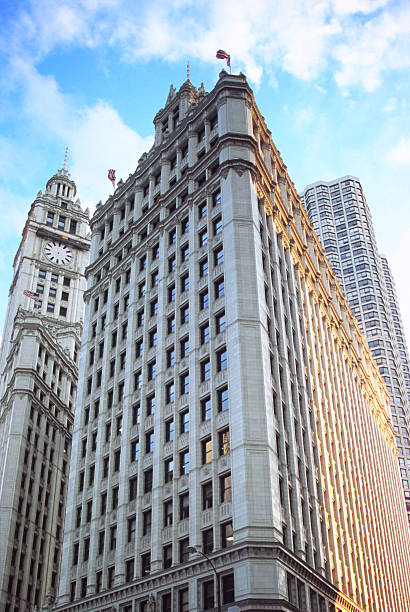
{"x":181,"y":596}
{"x":62,"y":222}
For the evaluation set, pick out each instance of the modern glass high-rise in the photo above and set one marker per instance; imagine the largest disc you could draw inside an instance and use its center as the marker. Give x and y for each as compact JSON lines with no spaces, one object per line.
{"x":341,"y":217}
{"x":227,"y":400}
{"x":38,"y":382}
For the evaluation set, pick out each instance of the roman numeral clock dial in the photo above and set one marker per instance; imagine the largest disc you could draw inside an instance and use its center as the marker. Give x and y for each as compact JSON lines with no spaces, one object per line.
{"x":58,"y":253}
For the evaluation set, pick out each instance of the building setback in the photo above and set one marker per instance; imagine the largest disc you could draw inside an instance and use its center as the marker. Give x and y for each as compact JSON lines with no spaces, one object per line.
{"x":341,"y":217}
{"x":226,"y":398}
{"x":39,"y":369}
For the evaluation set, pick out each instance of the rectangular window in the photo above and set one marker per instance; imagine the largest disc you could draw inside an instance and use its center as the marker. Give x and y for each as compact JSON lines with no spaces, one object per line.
{"x":145,"y":564}
{"x":148,"y":480}
{"x":114,"y":499}
{"x":184,"y":383}
{"x":103,"y":504}
{"x":207,"y":498}
{"x":146,"y":522}
{"x":220,"y":322}
{"x":204,"y":333}
{"x":221,"y":360}
{"x":153,"y":337}
{"x":154,"y":278}
{"x":216,"y":199}
{"x":150,"y":403}
{"x":185,"y":253}
{"x":101,"y":540}
{"x":139,"y":347}
{"x":113,"y":537}
{"x":184,"y":346}
{"x":168,"y":514}
{"x":206,"y":450}
{"x":203,"y":267}
{"x":171,"y":293}
{"x":170,"y":393}
{"x":170,"y":357}
{"x":183,"y":550}
{"x":225,"y":488}
{"x":226,"y":535}
{"x":136,"y":413}
{"x":224,"y":442}
{"x":132,"y":488}
{"x":172,"y":236}
{"x":184,"y":421}
{"x":184,"y":311}
{"x":171,"y":324}
{"x":184,"y":462}
{"x":135,"y":450}
{"x":206,"y":408}
{"x":168,"y":470}
{"x":167,"y":562}
{"x":172,"y":263}
{"x":184,"y":283}
{"x":131,"y":529}
{"x":129,"y":570}
{"x":152,"y":370}
{"x":183,"y":506}
{"x":149,"y":442}
{"x":50,"y":219}
{"x":73,"y":226}
{"x":223,"y":401}
{"x":205,"y":370}
{"x":169,"y":430}
{"x":208,"y":540}
{"x":217,"y":225}
{"x":86,"y":549}
{"x":228,"y":589}
{"x":204,"y":299}
{"x":219,"y":287}
{"x":61,"y":223}
{"x":203,"y":237}
{"x":153,"y":308}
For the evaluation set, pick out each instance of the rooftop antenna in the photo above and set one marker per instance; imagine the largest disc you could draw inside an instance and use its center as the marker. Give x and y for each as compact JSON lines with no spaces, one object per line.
{"x":188,"y":71}
{"x":65,"y":159}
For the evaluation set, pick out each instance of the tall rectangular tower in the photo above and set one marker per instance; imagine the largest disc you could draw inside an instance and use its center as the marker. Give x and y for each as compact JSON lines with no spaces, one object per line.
{"x":341,"y":217}
{"x":39,"y":369}
{"x":232,"y":442}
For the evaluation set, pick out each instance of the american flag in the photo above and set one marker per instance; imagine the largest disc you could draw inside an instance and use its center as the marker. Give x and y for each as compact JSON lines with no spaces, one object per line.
{"x":111,"y":176}
{"x":31,"y":294}
{"x":221,"y":54}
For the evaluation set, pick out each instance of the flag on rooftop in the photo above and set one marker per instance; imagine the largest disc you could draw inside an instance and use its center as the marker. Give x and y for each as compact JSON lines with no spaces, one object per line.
{"x":221,"y":54}
{"x":111,"y":177}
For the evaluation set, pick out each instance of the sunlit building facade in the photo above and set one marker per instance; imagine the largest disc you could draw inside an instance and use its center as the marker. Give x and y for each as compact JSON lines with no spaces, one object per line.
{"x":38,"y":381}
{"x":226,"y":401}
{"x":342,"y":219}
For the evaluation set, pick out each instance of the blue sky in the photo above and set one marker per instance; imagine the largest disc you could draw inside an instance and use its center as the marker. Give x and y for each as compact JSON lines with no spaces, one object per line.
{"x":331,"y":78}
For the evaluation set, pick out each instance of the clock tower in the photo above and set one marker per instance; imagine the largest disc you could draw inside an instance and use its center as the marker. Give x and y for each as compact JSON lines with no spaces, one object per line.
{"x":38,"y":382}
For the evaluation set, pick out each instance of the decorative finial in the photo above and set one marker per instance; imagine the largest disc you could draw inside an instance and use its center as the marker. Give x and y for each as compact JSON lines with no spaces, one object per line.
{"x":188,"y":71}
{"x":65,"y":158}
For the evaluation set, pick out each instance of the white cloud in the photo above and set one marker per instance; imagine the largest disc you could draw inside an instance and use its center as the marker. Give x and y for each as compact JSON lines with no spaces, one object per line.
{"x":359,"y":38}
{"x":390,"y":105}
{"x":400,"y":154}
{"x":97,"y":137}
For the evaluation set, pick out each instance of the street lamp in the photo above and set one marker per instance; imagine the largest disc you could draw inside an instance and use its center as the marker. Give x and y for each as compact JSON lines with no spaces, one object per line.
{"x":192,"y":550}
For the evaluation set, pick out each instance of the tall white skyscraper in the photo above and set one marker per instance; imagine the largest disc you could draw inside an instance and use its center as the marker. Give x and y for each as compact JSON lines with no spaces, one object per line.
{"x":38,"y":382}
{"x":232,"y":441}
{"x":342,"y":219}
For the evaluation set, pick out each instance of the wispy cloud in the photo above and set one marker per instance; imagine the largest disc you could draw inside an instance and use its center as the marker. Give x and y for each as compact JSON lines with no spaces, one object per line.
{"x":359,"y":38}
{"x":96,"y":136}
{"x":400,"y":154}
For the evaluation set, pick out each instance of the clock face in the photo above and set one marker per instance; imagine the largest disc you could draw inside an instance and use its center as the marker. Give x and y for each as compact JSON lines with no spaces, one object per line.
{"x":57,"y":253}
